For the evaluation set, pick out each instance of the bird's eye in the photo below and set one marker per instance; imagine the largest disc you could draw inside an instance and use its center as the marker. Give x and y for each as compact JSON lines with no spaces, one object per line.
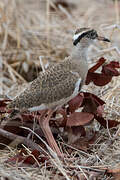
{"x":93,"y":35}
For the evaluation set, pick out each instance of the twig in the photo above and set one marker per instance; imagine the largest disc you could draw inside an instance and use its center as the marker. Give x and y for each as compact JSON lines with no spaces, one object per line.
{"x":84,"y":153}
{"x":48,"y":22}
{"x":63,"y":10}
{"x":108,"y":130}
{"x":5,"y":37}
{"x":20,"y":139}
{"x":117,"y":11}
{"x":83,"y":172}
{"x":58,"y":164}
{"x":53,"y":154}
{"x":18,"y":75}
{"x":117,"y":134}
{"x":113,"y":26}
{"x":41,"y":63}
{"x":18,"y":38}
{"x":93,"y":168}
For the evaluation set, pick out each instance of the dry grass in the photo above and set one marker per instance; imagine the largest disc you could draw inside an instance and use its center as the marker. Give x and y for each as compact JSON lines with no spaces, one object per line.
{"x":28,"y":29}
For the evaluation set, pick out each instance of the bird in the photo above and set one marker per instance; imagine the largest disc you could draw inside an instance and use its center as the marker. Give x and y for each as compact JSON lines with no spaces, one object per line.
{"x":58,"y":84}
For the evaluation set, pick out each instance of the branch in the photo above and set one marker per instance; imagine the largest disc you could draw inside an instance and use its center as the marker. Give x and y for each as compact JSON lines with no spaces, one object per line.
{"x":20,"y":139}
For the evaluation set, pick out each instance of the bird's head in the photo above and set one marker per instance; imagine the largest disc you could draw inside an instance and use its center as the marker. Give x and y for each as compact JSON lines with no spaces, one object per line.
{"x":86,"y":37}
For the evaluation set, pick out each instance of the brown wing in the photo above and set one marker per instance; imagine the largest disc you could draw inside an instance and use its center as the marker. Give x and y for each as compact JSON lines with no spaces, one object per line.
{"x":53,"y":85}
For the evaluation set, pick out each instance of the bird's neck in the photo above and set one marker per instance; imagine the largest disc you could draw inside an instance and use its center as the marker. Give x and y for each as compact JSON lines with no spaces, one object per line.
{"x":79,"y":57}
{"x":80,"y":52}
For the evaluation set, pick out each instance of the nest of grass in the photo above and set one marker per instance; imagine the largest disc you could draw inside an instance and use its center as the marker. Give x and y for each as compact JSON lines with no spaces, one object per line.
{"x":33,"y":29}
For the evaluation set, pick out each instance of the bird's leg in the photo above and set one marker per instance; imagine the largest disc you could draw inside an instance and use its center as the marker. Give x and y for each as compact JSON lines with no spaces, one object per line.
{"x":44,"y":124}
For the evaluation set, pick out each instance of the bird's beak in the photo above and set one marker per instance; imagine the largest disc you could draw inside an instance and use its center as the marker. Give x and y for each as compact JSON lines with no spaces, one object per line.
{"x":100,"y":38}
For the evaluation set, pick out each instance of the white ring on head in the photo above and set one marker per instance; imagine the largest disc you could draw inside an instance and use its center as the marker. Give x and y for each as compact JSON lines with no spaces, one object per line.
{"x":77,"y":35}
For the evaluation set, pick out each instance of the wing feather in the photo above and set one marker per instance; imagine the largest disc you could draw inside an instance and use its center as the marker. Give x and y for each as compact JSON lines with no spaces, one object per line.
{"x":56,"y":83}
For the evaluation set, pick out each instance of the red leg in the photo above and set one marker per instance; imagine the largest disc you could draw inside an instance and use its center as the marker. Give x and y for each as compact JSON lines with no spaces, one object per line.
{"x":44,"y":124}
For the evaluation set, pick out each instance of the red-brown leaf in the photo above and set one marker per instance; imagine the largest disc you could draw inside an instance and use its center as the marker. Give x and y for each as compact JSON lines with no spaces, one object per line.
{"x":115,"y":172}
{"x":76,"y":102}
{"x":64,"y":119}
{"x":3,"y":104}
{"x":18,"y":157}
{"x":91,"y":102}
{"x":107,"y":72}
{"x":31,"y":159}
{"x":23,"y":157}
{"x":82,"y":143}
{"x":78,"y":130}
{"x":110,"y":71}
{"x":102,"y":121}
{"x":98,"y":79}
{"x":79,"y":118}
{"x":94,"y":98}
{"x":114,"y":64}
{"x":63,"y":3}
{"x":100,"y":62}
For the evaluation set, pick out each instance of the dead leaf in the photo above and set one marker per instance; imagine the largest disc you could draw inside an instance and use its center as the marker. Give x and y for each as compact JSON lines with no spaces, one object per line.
{"x":76,"y":102}
{"x":25,"y":158}
{"x":79,"y":142}
{"x":91,"y":102}
{"x":78,"y":130}
{"x":115,"y":172}
{"x":100,"y":62}
{"x":64,"y":119}
{"x":109,"y":69}
{"x":95,"y":98}
{"x":3,"y":104}
{"x":102,"y":121}
{"x":106,"y":74}
{"x":31,"y":159}
{"x":98,"y":79}
{"x":63,"y":3}
{"x":18,"y":157}
{"x":79,"y":118}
